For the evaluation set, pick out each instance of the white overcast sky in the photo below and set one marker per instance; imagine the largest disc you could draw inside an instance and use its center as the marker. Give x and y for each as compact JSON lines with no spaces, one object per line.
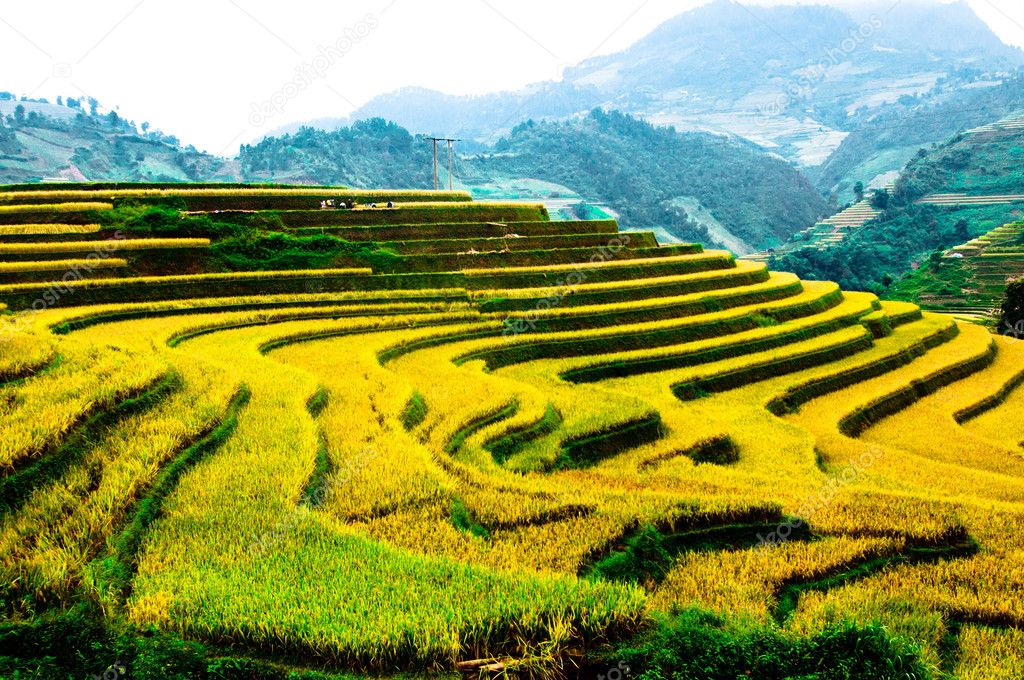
{"x":195,"y":68}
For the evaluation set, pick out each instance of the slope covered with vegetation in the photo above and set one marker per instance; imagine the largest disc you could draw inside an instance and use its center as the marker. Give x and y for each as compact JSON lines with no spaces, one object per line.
{"x":694,"y":186}
{"x":280,"y":433}
{"x":640,"y":169}
{"x":72,"y":140}
{"x":889,"y":139}
{"x":945,"y":196}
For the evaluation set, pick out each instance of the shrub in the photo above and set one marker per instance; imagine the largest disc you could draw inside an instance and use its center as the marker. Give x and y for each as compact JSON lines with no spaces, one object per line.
{"x":696,"y":645}
{"x":1012,"y":317}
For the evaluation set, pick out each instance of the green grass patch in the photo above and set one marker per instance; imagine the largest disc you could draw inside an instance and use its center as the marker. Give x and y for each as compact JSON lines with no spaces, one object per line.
{"x":414,"y":413}
{"x":692,"y":644}
{"x":464,"y":520}
{"x":510,"y":444}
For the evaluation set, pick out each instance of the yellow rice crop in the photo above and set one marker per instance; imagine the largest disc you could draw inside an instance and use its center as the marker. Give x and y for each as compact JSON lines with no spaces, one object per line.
{"x":349,"y":534}
{"x":111,"y":245}
{"x":61,"y":265}
{"x":47,"y":229}
{"x":55,"y":207}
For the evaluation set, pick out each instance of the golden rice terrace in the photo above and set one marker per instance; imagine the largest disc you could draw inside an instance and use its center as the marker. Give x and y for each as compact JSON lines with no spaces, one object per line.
{"x":321,"y":428}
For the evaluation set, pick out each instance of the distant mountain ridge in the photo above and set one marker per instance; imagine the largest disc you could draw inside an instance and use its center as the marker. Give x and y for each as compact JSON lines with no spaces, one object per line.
{"x":692,"y":186}
{"x":650,"y":176}
{"x":795,"y":79}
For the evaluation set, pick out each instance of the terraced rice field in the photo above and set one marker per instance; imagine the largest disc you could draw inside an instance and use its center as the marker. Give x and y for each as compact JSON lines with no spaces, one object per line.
{"x":971,"y":199}
{"x":448,"y":461}
{"x":825,"y":233}
{"x":984,"y":266}
{"x":1012,"y":122}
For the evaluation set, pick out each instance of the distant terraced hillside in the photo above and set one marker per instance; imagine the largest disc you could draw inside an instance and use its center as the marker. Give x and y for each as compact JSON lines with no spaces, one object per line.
{"x":253,"y":432}
{"x":945,"y":196}
{"x":1012,"y":122}
{"x":970,"y":280}
{"x":826,"y":233}
{"x":956,"y":200}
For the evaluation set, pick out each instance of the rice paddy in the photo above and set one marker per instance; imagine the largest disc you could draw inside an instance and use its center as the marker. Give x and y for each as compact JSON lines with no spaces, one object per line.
{"x":496,"y":458}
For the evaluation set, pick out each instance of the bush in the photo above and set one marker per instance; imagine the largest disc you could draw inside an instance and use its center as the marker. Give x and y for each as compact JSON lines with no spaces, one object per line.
{"x":1012,"y":317}
{"x":256,"y":251}
{"x":697,"y":645}
{"x":645,"y":558}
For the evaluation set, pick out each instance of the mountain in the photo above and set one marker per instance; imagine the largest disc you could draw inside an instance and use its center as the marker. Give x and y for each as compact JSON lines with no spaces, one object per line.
{"x":367,"y":154}
{"x":945,"y":196}
{"x":41,"y":139}
{"x":638,"y":169}
{"x":892,"y":138}
{"x":695,"y":186}
{"x":691,"y":186}
{"x":795,"y":79}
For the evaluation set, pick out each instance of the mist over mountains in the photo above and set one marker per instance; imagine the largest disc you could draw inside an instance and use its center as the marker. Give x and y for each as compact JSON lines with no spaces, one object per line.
{"x":795,"y":79}
{"x":731,"y":125}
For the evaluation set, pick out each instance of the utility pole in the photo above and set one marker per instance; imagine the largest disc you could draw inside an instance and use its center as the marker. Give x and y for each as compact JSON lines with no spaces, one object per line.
{"x":450,"y":141}
{"x":434,"y":139}
{"x":450,"y":164}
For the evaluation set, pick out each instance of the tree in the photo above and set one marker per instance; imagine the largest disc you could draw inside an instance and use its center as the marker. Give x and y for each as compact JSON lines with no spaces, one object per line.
{"x":1012,"y":318}
{"x":8,"y":140}
{"x":858,"y":190}
{"x":19,"y":114}
{"x":962,"y":231}
{"x":880,"y":199}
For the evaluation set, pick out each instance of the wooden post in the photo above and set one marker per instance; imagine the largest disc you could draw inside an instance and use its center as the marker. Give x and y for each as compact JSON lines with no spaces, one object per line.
{"x":450,"y":164}
{"x":434,"y":139}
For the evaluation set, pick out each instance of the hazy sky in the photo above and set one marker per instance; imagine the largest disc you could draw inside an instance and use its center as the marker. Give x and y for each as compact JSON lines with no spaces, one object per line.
{"x":220,"y":72}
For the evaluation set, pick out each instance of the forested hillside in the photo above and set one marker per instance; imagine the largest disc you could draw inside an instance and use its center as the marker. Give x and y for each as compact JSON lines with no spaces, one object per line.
{"x":641,"y":171}
{"x":370,"y":153}
{"x":645,"y":173}
{"x":983,"y":164}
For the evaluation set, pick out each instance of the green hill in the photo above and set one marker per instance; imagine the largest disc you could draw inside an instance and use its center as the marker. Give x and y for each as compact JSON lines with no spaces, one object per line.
{"x":944,"y":197}
{"x":639,"y":169}
{"x":39,"y":139}
{"x":691,"y":186}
